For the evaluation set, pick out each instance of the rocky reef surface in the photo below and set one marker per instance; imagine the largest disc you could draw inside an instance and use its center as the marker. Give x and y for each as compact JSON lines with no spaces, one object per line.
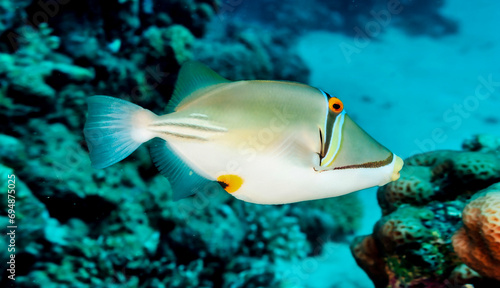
{"x":118,"y":227}
{"x":441,"y":221}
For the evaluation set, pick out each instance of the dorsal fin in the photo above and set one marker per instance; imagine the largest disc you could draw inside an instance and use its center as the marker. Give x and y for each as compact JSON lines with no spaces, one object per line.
{"x":193,"y":76}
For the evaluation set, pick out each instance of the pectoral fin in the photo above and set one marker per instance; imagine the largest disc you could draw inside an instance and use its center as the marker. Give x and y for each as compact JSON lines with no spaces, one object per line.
{"x":183,"y":179}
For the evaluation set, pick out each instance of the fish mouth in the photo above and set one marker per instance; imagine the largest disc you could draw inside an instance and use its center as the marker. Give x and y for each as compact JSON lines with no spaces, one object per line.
{"x":398,"y":165}
{"x":372,"y":164}
{"x":392,"y":158}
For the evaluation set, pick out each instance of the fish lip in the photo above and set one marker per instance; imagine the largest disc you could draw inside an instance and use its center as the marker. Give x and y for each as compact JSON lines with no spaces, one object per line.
{"x":372,"y":164}
{"x":393,"y":158}
{"x":398,"y":165}
{"x":397,"y":162}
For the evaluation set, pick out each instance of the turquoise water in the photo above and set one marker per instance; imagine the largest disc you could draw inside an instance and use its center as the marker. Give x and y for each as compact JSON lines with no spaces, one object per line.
{"x":418,"y":76}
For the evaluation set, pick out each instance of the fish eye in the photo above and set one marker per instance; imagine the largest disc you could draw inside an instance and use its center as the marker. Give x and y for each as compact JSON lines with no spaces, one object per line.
{"x":335,"y":105}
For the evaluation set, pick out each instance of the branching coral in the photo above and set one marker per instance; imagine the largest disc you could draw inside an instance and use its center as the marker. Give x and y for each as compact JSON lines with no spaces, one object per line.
{"x":273,"y":233}
{"x":328,"y":219}
{"x":28,"y":72}
{"x":250,"y":272}
{"x":176,"y":37}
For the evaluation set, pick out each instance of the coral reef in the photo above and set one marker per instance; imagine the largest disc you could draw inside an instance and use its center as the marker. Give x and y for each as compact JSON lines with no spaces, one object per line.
{"x":411,"y":245}
{"x":478,"y":242}
{"x":428,"y":177}
{"x":350,"y":17}
{"x":258,"y":53}
{"x":119,"y":227}
{"x":80,"y":227}
{"x":279,"y":239}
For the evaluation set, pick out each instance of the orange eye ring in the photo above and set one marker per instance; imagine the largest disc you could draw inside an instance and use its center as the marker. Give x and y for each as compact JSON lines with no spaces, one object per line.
{"x":335,"y":105}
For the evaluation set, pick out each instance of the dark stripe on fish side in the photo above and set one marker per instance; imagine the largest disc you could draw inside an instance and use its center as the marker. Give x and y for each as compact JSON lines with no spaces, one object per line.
{"x":184,"y":136}
{"x":374,"y":164}
{"x":189,"y":125}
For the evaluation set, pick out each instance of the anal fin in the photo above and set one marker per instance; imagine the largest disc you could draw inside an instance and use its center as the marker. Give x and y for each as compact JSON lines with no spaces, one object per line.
{"x":183,"y":179}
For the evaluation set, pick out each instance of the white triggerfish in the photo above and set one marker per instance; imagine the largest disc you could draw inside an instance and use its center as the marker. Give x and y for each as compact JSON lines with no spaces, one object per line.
{"x":266,"y":142}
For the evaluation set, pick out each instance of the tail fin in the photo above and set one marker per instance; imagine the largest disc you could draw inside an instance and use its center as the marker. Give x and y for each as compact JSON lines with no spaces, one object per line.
{"x":114,"y":129}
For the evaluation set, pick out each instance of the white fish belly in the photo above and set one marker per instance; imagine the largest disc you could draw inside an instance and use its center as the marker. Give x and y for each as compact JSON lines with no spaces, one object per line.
{"x":280,"y":182}
{"x":278,"y":174}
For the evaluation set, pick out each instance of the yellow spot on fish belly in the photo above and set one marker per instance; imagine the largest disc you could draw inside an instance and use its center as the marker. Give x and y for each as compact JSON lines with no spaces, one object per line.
{"x":230,"y":183}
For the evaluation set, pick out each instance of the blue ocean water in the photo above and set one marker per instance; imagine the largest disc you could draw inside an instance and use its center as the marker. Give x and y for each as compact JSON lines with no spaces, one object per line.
{"x":418,"y":76}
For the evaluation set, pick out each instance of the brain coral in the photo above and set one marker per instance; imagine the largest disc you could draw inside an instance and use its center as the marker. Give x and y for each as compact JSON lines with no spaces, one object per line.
{"x":411,"y":245}
{"x":368,"y":257}
{"x":478,"y":242}
{"x":405,"y":225}
{"x":430,"y":176}
{"x":414,"y":186}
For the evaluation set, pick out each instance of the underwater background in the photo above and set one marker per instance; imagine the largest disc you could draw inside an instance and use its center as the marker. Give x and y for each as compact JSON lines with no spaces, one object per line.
{"x":421,"y":77}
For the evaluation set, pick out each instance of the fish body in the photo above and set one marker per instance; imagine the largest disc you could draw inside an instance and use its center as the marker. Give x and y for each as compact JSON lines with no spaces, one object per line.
{"x":266,"y":142}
